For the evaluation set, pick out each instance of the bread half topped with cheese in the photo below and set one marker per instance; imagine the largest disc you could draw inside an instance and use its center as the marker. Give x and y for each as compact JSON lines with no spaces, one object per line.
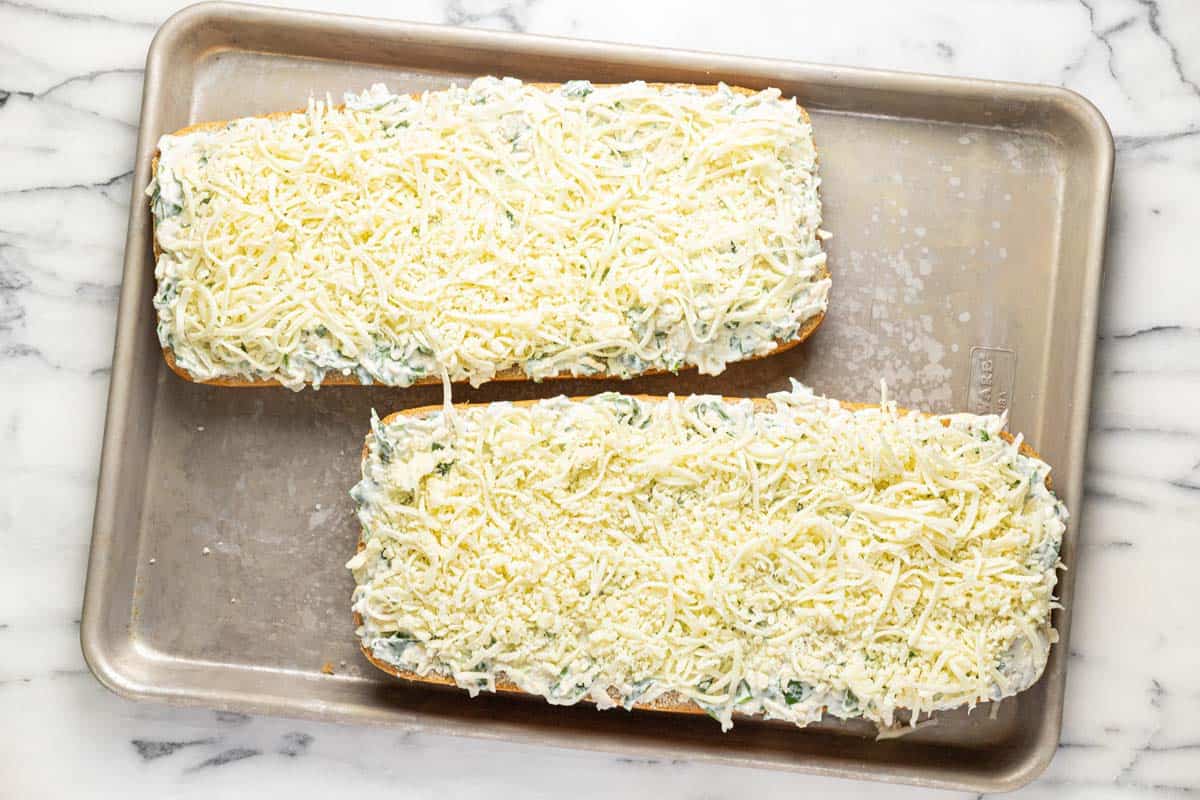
{"x":783,"y":557}
{"x":498,"y":230}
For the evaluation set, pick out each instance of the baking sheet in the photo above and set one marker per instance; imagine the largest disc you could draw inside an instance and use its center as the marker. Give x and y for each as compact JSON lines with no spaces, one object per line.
{"x":968,"y":221}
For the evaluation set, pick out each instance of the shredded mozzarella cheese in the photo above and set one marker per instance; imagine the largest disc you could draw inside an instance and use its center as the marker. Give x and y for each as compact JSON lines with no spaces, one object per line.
{"x":785,"y":561}
{"x":583,"y":230}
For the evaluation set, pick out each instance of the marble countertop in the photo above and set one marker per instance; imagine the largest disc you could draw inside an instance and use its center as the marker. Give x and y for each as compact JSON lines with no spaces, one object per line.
{"x":70,"y":88}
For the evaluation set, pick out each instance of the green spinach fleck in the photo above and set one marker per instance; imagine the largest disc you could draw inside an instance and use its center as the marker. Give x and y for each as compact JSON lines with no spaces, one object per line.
{"x":797,"y":692}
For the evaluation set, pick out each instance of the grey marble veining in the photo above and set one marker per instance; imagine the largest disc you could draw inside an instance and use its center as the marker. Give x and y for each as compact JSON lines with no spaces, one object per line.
{"x":70,"y":85}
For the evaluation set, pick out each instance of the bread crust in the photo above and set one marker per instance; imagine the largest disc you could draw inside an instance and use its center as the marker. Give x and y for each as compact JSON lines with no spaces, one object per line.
{"x":670,"y":702}
{"x":512,"y":373}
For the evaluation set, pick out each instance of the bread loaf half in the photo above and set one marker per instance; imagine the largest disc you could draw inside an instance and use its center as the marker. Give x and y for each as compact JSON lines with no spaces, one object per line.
{"x":498,"y":231}
{"x":783,"y":557}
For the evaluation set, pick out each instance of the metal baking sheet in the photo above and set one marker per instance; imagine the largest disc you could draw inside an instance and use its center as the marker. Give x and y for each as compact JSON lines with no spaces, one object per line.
{"x":968,"y":220}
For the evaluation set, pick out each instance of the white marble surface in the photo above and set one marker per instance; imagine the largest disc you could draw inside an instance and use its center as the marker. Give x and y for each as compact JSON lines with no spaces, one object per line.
{"x":70,"y":86}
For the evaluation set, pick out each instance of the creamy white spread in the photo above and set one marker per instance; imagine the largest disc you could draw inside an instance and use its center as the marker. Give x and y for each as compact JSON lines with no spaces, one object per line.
{"x":581,"y":230}
{"x":785,"y":562}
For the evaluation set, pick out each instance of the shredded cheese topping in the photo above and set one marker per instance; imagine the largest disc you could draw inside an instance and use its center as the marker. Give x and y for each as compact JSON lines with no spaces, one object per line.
{"x":782,"y":561}
{"x":612,"y":229}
